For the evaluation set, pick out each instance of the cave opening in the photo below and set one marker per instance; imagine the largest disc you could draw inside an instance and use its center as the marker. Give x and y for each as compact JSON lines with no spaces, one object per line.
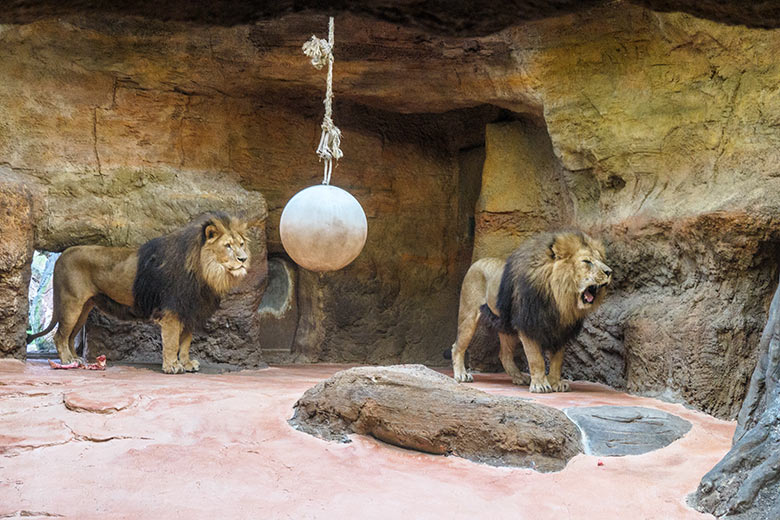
{"x":41,"y":304}
{"x":278,"y":310}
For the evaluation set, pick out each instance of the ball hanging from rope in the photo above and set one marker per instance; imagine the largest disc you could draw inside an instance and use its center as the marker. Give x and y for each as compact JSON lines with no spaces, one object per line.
{"x":323,"y":228}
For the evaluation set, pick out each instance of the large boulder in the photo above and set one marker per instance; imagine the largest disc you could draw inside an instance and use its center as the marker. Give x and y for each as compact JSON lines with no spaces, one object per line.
{"x":415,"y":407}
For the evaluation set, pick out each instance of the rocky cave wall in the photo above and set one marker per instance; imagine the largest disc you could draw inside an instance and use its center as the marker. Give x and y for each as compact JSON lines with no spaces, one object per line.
{"x":125,"y":128}
{"x":656,"y":131}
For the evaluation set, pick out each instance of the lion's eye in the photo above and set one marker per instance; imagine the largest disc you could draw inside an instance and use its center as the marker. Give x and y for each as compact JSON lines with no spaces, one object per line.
{"x":228,"y":246}
{"x":588,"y":262}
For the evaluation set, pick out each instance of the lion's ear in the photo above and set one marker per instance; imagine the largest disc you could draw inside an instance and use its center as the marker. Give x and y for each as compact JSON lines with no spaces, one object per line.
{"x":210,"y":232}
{"x":564,"y":246}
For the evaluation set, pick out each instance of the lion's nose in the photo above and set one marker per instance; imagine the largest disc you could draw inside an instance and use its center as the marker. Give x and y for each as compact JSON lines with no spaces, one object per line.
{"x":608,"y":272}
{"x":241,"y":259}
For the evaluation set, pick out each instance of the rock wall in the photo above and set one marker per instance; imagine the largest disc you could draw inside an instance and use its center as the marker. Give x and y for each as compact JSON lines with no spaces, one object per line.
{"x":656,"y":131}
{"x":15,"y":252}
{"x":664,"y":130}
{"x":160,"y":122}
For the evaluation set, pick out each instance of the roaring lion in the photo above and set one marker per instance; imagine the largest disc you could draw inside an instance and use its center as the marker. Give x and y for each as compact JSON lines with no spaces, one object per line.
{"x":540,"y":296}
{"x":176,"y":280}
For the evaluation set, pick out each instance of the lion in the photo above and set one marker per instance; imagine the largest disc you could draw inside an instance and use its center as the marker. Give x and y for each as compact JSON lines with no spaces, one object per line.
{"x":540,"y":296}
{"x":177,"y":280}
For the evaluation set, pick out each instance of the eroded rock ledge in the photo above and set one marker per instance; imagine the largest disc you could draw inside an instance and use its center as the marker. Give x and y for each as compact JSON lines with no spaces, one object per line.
{"x":415,"y":407}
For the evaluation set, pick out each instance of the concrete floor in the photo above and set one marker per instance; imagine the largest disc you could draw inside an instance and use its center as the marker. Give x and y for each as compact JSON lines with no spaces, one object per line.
{"x":132,"y":443}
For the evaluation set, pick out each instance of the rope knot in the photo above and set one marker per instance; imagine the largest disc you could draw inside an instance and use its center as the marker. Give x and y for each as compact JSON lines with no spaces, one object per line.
{"x":319,"y":50}
{"x":321,"y":53}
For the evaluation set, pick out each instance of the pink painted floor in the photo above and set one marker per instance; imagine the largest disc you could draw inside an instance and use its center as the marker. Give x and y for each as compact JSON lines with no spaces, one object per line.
{"x":132,"y":443}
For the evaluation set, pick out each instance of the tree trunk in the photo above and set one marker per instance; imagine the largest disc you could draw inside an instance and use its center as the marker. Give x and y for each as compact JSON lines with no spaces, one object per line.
{"x":745,"y":484}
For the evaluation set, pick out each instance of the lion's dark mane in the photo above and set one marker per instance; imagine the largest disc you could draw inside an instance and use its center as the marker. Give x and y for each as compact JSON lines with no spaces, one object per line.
{"x":163,"y":282}
{"x":528,"y":309}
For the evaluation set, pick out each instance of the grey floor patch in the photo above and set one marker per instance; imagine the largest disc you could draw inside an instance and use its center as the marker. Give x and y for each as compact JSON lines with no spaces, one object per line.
{"x":626,"y":430}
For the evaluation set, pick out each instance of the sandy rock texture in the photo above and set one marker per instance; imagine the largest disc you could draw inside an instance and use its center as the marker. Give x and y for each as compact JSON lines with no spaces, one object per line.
{"x":656,"y":131}
{"x":15,"y":252}
{"x":415,"y":407}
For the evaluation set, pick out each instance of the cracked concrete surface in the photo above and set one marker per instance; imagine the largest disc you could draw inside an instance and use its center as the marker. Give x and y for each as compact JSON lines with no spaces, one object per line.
{"x":219,"y":446}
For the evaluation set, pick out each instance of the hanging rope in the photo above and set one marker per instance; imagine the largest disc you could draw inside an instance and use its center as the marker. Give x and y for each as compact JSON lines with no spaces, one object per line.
{"x":321,"y":53}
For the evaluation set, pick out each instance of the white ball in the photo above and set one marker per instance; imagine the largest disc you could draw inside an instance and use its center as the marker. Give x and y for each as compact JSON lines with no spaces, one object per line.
{"x":323,"y":228}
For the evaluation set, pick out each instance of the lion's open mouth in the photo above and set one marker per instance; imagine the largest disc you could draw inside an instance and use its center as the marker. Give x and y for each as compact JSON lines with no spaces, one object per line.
{"x":589,"y":294}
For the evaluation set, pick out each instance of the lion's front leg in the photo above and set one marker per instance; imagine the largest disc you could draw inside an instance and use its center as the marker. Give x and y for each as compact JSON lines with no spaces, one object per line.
{"x":533,"y":354}
{"x":171,"y":329}
{"x":554,"y":378}
{"x":190,"y":365}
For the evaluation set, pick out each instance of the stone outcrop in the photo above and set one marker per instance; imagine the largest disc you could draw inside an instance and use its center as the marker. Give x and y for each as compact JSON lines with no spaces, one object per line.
{"x":415,"y":407}
{"x":744,"y":485}
{"x":15,"y":254}
{"x":523,"y":188}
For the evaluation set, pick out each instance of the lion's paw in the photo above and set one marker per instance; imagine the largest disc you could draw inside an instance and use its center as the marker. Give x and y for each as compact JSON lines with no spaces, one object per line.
{"x":560,"y":386}
{"x":173,"y":368}
{"x":465,"y":377}
{"x":68,"y":359}
{"x":522,"y":380}
{"x":193,"y":365}
{"x":540,"y":386}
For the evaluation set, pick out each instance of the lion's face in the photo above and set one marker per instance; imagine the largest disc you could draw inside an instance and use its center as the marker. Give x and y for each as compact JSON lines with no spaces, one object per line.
{"x":593,"y":276}
{"x":584,"y":257}
{"x":225,"y":253}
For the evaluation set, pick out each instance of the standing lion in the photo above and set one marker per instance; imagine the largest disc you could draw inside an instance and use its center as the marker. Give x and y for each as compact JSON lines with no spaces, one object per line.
{"x":176,"y":280}
{"x":539,"y":296}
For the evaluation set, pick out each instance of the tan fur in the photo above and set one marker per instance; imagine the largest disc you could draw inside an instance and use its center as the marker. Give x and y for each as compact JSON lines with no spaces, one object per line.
{"x":85,"y":274}
{"x":563,"y":271}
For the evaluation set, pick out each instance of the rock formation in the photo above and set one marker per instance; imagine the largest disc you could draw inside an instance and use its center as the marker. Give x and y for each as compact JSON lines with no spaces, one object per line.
{"x":746,"y":483}
{"x":414,"y":407}
{"x":15,"y":254}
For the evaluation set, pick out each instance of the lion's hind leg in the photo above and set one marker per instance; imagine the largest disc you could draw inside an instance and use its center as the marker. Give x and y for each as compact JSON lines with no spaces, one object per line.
{"x":190,"y":365}
{"x":171,"y":330}
{"x":466,"y":329}
{"x":507,"y":357}
{"x":77,"y":328}
{"x":71,"y":311}
{"x":554,"y":377}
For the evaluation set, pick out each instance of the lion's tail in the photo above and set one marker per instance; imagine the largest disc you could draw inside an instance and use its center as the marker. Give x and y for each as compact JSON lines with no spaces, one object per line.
{"x":31,"y":337}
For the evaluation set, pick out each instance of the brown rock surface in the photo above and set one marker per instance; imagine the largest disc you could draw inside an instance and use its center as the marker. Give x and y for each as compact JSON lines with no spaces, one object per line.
{"x":454,"y":17}
{"x":16,"y":215}
{"x":414,"y":407}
